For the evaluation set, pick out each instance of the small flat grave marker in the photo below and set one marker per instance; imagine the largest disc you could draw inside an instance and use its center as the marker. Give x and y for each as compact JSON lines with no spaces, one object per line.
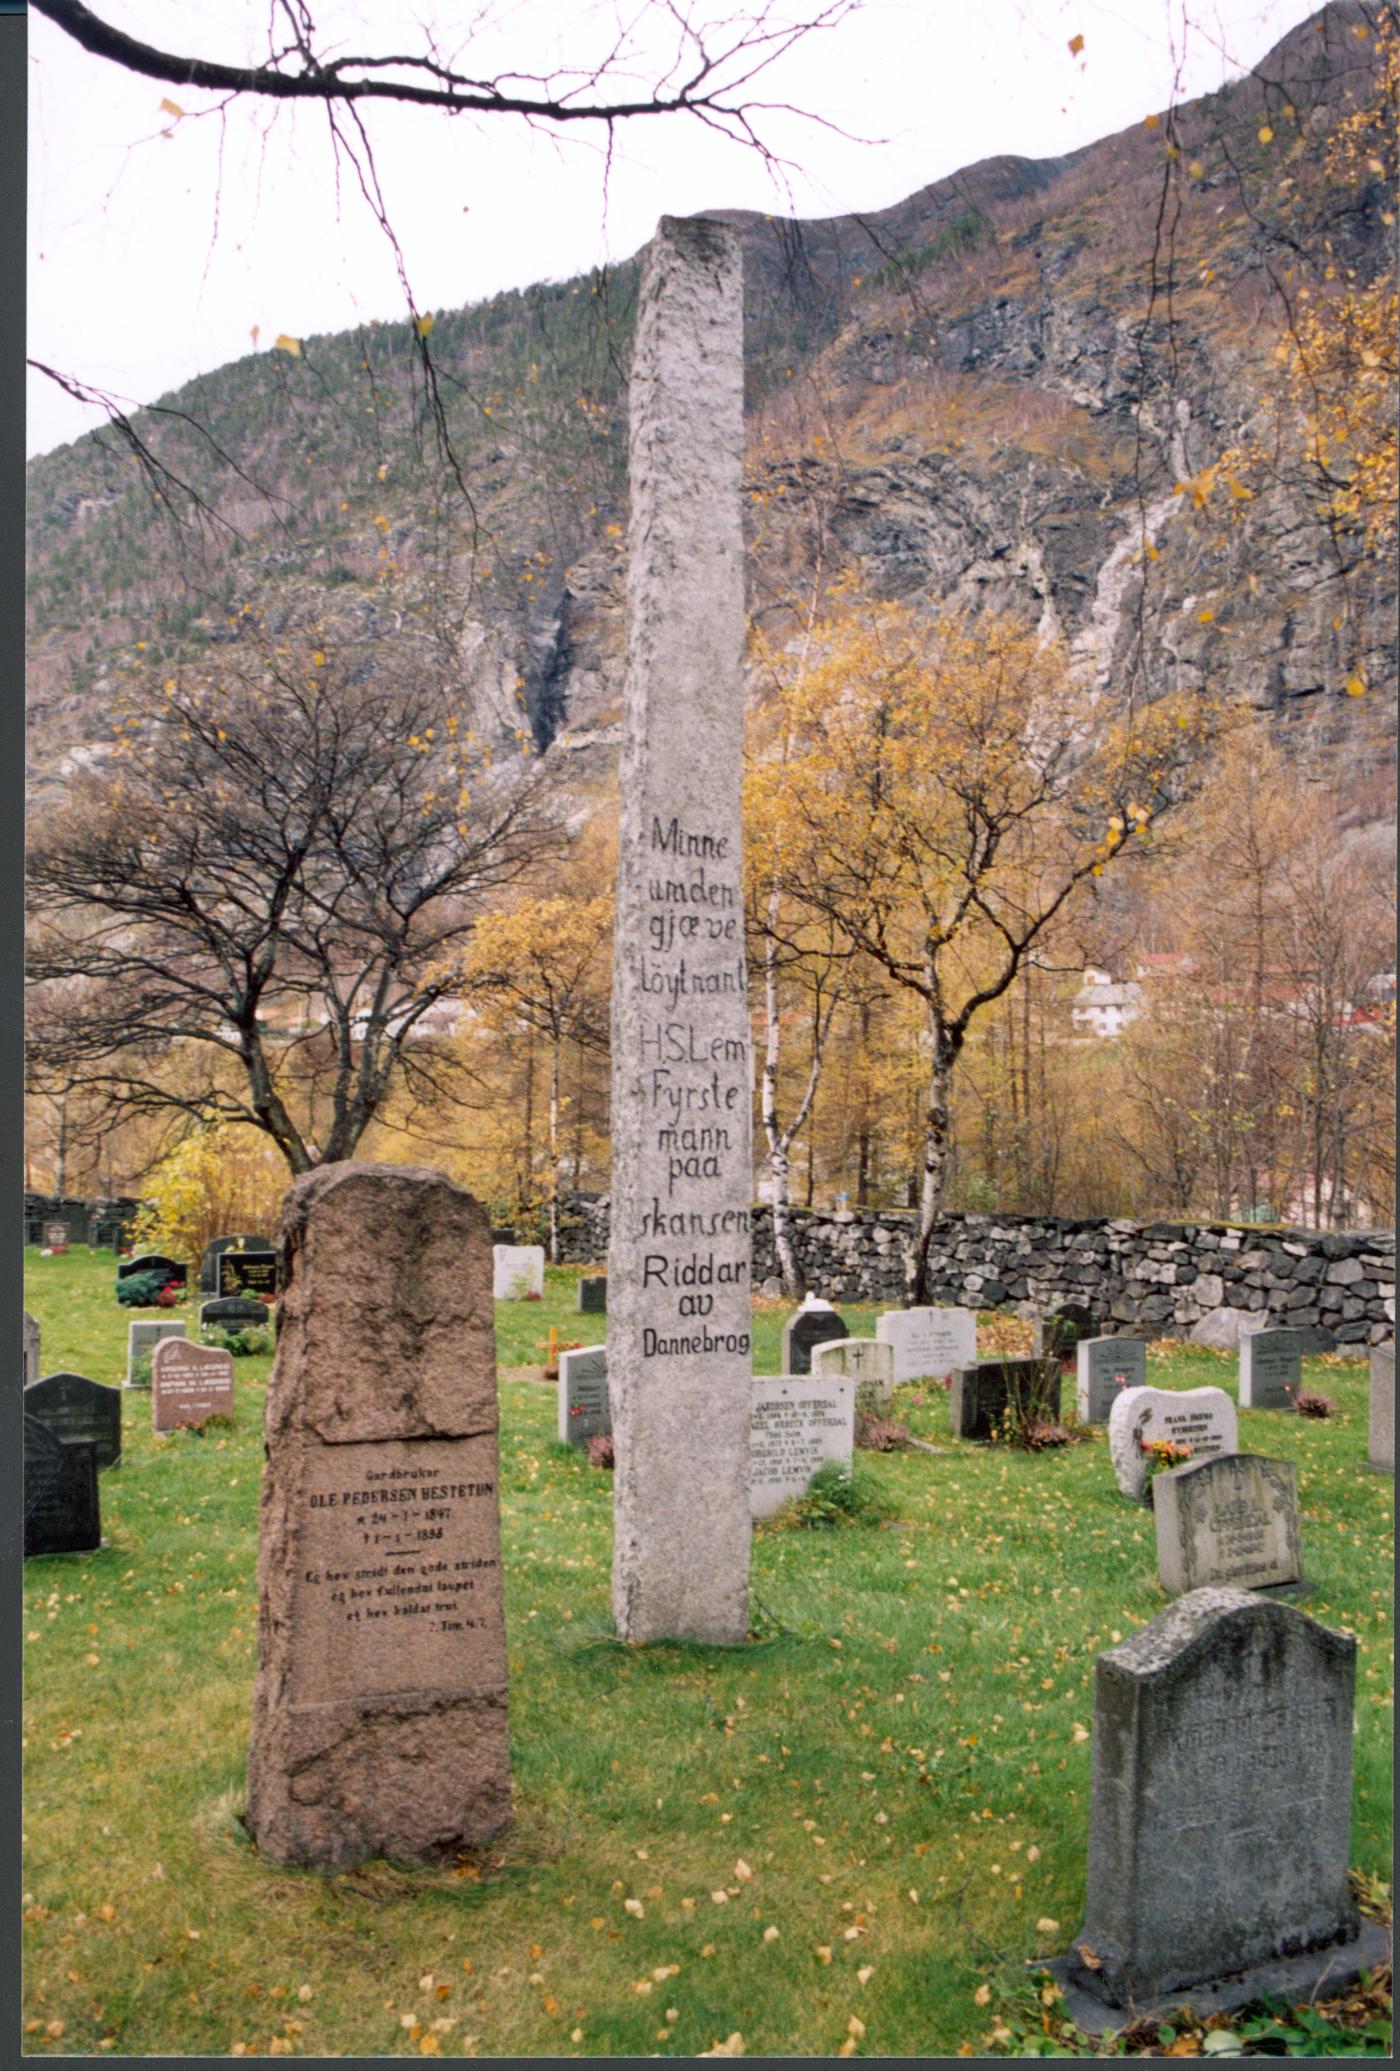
{"x":517,"y":1271}
{"x":983,"y":1393}
{"x":815,"y":1323}
{"x":799,"y":1422}
{"x":1271,"y":1369}
{"x":869,"y":1362}
{"x":61,"y":1513}
{"x":1381,"y":1449}
{"x":929,"y":1344}
{"x":593,"y":1294}
{"x":30,"y":1353}
{"x":1232,"y":1519}
{"x":1219,"y":1816}
{"x":1202,"y":1418}
{"x":189,"y":1383}
{"x":1105,"y":1367}
{"x":584,"y":1410}
{"x":142,"y":1338}
{"x":74,"y":1407}
{"x":249,"y":1273}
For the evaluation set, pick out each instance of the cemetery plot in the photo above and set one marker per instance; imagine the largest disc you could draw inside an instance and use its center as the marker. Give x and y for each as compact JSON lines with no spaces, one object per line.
{"x":584,"y":1410}
{"x":928,"y":1344}
{"x":1232,"y":1519}
{"x":592,"y":1294}
{"x":153,"y":1262}
{"x":1271,"y":1369}
{"x":60,"y":1492}
{"x":214,"y":1251}
{"x":1220,"y":1814}
{"x":798,"y":1424}
{"x":74,"y":1407}
{"x":984,"y":1396}
{"x":1198,"y":1421}
{"x":1105,"y":1367}
{"x":189,"y":1384}
{"x":141,"y":1341}
{"x":234,"y":1312}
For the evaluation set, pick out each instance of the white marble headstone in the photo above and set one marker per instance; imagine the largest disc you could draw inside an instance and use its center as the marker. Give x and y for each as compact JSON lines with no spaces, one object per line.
{"x":799,"y":1422}
{"x":1203,"y":1418}
{"x":517,"y":1271}
{"x":869,"y":1362}
{"x":584,"y":1411}
{"x":929,"y":1344}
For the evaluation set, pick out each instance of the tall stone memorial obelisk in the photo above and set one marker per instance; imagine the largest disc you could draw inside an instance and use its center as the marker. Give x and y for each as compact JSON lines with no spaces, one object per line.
{"x":678,"y":1267}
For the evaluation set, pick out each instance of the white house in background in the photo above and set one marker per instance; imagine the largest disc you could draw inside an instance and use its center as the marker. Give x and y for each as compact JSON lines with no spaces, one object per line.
{"x":1102,"y":1008}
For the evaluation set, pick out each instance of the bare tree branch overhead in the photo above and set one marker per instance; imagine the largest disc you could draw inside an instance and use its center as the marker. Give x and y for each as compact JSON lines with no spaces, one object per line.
{"x":704,"y":78}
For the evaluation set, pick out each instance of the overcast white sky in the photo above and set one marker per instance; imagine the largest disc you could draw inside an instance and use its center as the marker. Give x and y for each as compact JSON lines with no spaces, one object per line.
{"x":152,"y":256}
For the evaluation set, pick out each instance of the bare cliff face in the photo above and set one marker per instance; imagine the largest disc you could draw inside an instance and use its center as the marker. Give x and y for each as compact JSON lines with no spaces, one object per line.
{"x":1011,"y":392}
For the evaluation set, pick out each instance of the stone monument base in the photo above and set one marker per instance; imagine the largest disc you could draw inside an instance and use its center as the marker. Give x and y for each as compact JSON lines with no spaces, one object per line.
{"x":1291,"y":1978}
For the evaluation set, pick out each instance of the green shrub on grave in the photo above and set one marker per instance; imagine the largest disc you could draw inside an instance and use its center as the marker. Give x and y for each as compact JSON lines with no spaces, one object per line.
{"x":139,"y":1290}
{"x":249,"y":1342}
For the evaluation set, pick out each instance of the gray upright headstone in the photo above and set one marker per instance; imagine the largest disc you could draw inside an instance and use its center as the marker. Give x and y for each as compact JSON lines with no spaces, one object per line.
{"x":800,"y":1422}
{"x":869,"y":1362}
{"x":1271,"y":1369}
{"x":1220,"y":1813}
{"x":30,"y":1354}
{"x":928,"y":1344}
{"x":583,"y":1395}
{"x":1381,"y":1450}
{"x":593,"y":1294}
{"x":141,"y":1339}
{"x":1232,"y":1519}
{"x":679,"y":1367}
{"x":1105,"y":1367}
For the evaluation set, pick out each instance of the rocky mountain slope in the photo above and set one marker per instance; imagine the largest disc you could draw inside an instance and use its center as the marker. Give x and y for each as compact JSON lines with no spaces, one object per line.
{"x":1007,"y":393}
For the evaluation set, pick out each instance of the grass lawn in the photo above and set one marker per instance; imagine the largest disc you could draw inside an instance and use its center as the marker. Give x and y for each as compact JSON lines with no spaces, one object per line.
{"x":852,"y":1831}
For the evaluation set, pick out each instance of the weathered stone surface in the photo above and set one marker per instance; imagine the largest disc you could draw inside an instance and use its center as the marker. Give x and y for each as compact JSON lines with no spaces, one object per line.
{"x":144,"y":1337}
{"x":1221,"y":1795}
{"x":981,"y":1395}
{"x":1271,"y":1370}
{"x":815,"y":1323}
{"x":74,"y":1407}
{"x":1223,"y":1328}
{"x":928,"y":1344}
{"x":593,"y":1294}
{"x":1202,"y":1418}
{"x":1381,"y":1447}
{"x":517,"y":1271}
{"x":30,"y":1352}
{"x":248,"y":1272}
{"x":798,"y":1422}
{"x":379,"y":1707}
{"x":189,"y":1383}
{"x":1232,"y":1519}
{"x":61,"y":1513}
{"x":584,"y":1411}
{"x":869,"y":1362}
{"x":1105,"y":1366}
{"x":679,"y":1367}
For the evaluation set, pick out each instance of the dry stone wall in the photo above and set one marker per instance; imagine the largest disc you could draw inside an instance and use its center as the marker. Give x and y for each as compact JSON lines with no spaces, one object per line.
{"x":1154,"y":1278}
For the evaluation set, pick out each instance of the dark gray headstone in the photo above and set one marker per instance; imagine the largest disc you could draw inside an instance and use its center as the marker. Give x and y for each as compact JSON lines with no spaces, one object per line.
{"x":214,"y":1251}
{"x":61,"y":1512}
{"x":1232,"y":1519}
{"x":593,"y":1294}
{"x":30,"y":1351}
{"x":154,"y":1262}
{"x":1105,"y":1367}
{"x":233,"y":1312}
{"x":248,"y":1272}
{"x":1271,"y":1370}
{"x":1057,"y":1334}
{"x":803,"y":1331}
{"x":1220,"y":1813}
{"x":72,"y":1406}
{"x":1381,"y":1450}
{"x":981,"y":1395}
